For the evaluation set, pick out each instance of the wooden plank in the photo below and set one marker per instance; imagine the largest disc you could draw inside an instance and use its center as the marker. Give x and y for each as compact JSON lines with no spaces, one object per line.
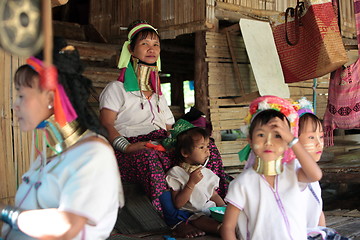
{"x":97,"y":52}
{"x":226,"y":125}
{"x":226,"y":147}
{"x":241,"y":113}
{"x":231,"y":160}
{"x":100,"y":77}
{"x":218,"y":102}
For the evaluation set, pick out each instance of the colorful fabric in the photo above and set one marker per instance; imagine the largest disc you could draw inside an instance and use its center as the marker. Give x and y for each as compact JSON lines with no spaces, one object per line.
{"x":148,"y":167}
{"x":303,"y":106}
{"x":179,"y":126}
{"x":343,"y":106}
{"x":63,"y":110}
{"x":325,"y":233}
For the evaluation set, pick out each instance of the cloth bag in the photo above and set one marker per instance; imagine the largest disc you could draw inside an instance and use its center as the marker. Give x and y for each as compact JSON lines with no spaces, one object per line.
{"x":308,"y":40}
{"x":343,"y":106}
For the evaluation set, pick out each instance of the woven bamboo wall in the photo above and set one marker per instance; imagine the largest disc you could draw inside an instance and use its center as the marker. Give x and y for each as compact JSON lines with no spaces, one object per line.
{"x":223,"y":87}
{"x":171,"y":17}
{"x":14,"y":154}
{"x":176,"y":17}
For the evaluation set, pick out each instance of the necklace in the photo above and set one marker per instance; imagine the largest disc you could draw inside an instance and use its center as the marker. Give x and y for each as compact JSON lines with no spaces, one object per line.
{"x":148,"y":80}
{"x":268,"y":168}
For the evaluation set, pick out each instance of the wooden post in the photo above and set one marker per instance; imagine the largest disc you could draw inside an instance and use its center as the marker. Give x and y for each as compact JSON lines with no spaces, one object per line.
{"x":177,"y":91}
{"x":201,"y":75}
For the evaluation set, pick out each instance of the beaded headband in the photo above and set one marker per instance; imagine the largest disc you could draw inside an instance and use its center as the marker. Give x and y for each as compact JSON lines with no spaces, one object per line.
{"x":303,"y":106}
{"x":278,"y":104}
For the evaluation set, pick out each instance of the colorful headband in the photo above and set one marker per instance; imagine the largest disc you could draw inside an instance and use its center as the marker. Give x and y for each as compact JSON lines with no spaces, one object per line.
{"x":179,"y":126}
{"x":303,"y":106}
{"x":125,"y":55}
{"x":278,"y":104}
{"x":63,"y":110}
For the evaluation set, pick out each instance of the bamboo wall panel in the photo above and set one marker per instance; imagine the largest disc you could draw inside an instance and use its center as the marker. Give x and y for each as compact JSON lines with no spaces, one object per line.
{"x":177,"y":17}
{"x":223,"y":87}
{"x":171,"y":17}
{"x":14,"y":154}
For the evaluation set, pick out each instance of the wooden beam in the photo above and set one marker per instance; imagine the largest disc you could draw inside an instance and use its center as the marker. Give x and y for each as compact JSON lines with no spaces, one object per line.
{"x":201,"y":75}
{"x":247,"y":97}
{"x":177,"y":91}
{"x":234,"y":17}
{"x":256,"y":13}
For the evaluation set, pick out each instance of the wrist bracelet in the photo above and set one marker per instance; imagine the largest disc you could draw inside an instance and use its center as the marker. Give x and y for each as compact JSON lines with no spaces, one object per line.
{"x":293,"y":142}
{"x":120,"y":143}
{"x":10,"y":216}
{"x":186,"y":185}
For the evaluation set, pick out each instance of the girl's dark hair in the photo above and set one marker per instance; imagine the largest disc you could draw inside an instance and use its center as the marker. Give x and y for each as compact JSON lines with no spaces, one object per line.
{"x":264,"y":117}
{"x":77,"y":87}
{"x":140,"y":35}
{"x":185,"y":141}
{"x":25,"y":76}
{"x":315,"y":121}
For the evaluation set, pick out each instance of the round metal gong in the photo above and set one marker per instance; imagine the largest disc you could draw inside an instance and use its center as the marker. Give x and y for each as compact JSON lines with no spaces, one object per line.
{"x":20,"y":26}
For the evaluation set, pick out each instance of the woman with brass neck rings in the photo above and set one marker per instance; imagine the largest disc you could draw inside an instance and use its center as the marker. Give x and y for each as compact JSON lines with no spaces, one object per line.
{"x":72,"y":189}
{"x":135,"y":112}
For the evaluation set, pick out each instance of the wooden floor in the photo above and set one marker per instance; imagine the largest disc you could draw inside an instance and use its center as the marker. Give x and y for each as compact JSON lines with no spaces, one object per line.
{"x":346,"y":223}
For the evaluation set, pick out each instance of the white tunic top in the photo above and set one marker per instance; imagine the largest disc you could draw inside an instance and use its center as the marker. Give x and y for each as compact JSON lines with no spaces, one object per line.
{"x":314,"y":204}
{"x":266,"y":212}
{"x":131,"y":119}
{"x":312,"y":195}
{"x":199,"y":201}
{"x":85,"y":182}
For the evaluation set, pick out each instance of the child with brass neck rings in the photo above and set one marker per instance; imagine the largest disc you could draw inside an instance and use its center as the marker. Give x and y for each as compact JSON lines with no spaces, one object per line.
{"x":264,"y":201}
{"x":193,"y":186}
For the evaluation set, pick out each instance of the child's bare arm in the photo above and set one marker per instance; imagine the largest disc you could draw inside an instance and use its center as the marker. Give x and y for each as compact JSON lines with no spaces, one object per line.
{"x":322,"y":221}
{"x":309,"y":171}
{"x":181,"y":197}
{"x":227,"y":230}
{"x":217,"y":199}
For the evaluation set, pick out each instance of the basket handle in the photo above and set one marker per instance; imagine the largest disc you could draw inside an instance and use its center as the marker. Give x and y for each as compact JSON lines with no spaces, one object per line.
{"x":296,"y":13}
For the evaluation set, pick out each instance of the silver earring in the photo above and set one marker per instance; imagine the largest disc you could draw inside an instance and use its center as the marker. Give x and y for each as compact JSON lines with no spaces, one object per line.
{"x":50,"y":107}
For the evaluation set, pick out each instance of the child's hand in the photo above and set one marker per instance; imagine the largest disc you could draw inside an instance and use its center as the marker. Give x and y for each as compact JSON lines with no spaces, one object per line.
{"x":195,"y":177}
{"x":282,"y":128}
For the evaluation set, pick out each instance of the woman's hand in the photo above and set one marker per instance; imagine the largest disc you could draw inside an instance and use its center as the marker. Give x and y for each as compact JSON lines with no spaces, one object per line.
{"x":133,"y":147}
